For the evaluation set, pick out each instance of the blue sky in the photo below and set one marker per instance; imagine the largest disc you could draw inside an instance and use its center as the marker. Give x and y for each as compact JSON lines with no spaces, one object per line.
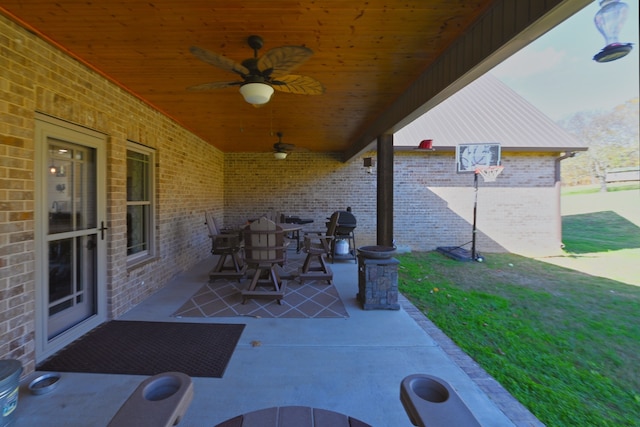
{"x":556,"y":73}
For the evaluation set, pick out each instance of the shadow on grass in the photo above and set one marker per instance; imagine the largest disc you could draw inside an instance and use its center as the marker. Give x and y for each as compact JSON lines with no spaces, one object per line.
{"x":598,"y":232}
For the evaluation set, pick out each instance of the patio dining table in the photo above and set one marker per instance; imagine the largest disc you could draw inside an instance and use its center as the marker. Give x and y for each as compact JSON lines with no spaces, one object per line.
{"x":292,"y":230}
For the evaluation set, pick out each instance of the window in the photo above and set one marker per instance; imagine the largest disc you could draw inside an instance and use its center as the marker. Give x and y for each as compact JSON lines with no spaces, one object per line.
{"x":140,"y":191}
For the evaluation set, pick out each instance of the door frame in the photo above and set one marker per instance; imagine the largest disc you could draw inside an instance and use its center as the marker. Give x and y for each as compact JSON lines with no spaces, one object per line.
{"x":45,"y":127}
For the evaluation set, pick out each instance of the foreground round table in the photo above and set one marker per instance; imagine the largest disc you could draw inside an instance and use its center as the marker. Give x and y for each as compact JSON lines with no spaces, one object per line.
{"x":293,"y":416}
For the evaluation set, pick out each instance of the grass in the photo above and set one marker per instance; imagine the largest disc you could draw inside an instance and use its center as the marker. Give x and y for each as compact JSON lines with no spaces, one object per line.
{"x":590,"y":189}
{"x":564,"y":343}
{"x":584,"y":233}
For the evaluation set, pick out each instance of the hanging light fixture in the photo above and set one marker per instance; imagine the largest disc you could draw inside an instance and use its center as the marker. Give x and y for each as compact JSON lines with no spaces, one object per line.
{"x":280,"y":155}
{"x":256,"y":93}
{"x":609,"y":20}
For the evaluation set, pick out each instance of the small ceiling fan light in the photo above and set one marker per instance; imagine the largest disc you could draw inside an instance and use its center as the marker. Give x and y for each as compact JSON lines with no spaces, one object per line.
{"x":256,"y":93}
{"x":280,"y":155}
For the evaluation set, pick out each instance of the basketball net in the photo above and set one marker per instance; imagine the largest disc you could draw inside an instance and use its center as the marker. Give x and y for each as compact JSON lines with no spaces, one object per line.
{"x":489,"y":173}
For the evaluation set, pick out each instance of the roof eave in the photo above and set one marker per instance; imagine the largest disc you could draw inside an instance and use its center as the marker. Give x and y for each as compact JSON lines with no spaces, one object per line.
{"x":448,"y":148}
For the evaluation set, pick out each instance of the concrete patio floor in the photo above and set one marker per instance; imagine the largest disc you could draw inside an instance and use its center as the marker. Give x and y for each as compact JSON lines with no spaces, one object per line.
{"x":352,"y":366}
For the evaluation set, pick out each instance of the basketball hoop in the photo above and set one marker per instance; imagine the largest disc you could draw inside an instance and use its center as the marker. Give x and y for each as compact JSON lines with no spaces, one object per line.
{"x":489,"y":173}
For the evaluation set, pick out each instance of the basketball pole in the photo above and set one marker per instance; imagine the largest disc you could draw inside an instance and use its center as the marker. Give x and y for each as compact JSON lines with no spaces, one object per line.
{"x":481,"y":159}
{"x":475,"y":210}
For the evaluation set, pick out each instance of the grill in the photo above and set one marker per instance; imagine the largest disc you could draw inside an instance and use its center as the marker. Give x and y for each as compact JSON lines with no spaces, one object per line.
{"x":344,"y":236}
{"x":346,"y":224}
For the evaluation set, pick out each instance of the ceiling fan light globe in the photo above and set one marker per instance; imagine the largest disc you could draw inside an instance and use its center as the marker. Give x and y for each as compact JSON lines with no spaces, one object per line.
{"x":256,"y":93}
{"x":279,"y":155}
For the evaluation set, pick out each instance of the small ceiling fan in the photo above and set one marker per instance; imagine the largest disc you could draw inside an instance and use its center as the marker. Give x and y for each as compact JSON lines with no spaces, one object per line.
{"x":280,"y":149}
{"x":260,"y":76}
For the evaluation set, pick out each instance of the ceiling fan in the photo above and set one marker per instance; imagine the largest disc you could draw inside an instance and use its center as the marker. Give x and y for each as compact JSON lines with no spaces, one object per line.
{"x":260,"y":76}
{"x":280,"y":149}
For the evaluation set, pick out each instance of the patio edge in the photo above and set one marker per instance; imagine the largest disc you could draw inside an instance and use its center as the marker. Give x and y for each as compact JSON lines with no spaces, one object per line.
{"x":509,"y":405}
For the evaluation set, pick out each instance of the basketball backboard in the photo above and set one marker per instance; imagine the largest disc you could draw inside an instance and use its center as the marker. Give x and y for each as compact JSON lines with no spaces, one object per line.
{"x":470,"y":156}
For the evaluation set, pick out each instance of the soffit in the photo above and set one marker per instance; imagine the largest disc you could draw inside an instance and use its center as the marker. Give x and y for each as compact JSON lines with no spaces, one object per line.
{"x":366,"y":53}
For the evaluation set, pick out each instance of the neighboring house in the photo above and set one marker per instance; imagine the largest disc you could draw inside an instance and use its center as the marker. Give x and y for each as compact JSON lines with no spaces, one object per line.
{"x":518,"y":213}
{"x":146,"y":170}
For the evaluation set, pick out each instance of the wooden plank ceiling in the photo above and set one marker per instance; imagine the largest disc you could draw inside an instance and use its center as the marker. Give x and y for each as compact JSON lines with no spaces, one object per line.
{"x":366,"y":53}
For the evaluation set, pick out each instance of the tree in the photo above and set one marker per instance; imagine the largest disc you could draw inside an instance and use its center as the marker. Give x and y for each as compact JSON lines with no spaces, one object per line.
{"x":613,"y":141}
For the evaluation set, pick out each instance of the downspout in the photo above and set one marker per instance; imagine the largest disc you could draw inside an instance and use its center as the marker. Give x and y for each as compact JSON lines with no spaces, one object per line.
{"x":558,"y":185}
{"x":558,"y":160}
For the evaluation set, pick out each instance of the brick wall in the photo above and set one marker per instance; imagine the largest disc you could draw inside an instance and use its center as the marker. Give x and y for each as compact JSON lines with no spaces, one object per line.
{"x":308,"y":185}
{"x":433,"y":205}
{"x":39,"y":78}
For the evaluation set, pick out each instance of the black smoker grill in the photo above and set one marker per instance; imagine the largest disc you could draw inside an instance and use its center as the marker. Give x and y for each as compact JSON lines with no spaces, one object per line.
{"x":344,"y":231}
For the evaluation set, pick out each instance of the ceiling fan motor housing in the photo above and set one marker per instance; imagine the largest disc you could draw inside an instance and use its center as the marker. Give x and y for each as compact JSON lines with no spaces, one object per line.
{"x":256,"y":43}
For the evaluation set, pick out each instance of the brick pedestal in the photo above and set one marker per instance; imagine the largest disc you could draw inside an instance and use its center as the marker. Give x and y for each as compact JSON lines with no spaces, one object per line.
{"x":378,"y":283}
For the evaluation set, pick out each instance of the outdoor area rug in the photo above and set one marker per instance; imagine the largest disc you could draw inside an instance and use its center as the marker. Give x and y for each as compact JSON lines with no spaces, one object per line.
{"x":150,"y":348}
{"x":222,"y":298}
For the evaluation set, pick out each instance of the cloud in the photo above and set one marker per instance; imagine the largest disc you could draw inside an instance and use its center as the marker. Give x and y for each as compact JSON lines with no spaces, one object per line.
{"x":529,"y":63}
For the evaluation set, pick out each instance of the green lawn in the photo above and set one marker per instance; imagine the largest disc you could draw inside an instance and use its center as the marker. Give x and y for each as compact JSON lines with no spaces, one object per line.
{"x":584,"y":233}
{"x":564,"y":343}
{"x":589,"y":189}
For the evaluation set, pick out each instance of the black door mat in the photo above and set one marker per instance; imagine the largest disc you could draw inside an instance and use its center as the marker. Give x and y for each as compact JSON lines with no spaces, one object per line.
{"x":150,"y":348}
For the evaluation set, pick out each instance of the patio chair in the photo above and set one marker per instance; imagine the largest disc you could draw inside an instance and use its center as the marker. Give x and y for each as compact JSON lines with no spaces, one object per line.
{"x":264,"y":251}
{"x":273,"y":216}
{"x":227,"y":245}
{"x":317,"y":246}
{"x":278,"y":217}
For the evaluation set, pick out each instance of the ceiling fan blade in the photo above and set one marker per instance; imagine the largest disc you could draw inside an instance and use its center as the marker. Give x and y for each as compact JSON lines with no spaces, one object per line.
{"x":282,"y":60}
{"x":214,"y":85}
{"x":219,"y":60}
{"x":281,"y":146}
{"x":300,"y":85}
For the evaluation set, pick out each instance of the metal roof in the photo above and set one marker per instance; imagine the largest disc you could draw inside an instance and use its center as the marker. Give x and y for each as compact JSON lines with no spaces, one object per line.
{"x":486,"y":111}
